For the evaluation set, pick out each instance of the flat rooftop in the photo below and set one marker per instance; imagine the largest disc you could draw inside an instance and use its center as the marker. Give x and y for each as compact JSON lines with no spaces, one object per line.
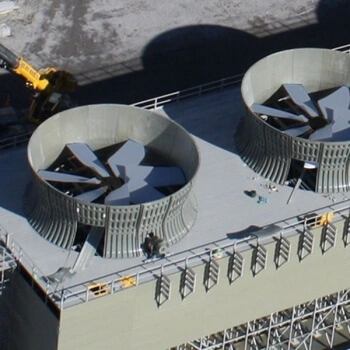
{"x":225,"y":212}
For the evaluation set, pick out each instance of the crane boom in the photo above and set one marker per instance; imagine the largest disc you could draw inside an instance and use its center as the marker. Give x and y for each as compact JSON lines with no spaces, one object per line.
{"x":50,"y":86}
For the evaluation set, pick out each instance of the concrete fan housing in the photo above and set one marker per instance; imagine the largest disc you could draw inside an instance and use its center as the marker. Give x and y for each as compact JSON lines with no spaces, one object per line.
{"x":268,"y":151}
{"x":56,"y":216}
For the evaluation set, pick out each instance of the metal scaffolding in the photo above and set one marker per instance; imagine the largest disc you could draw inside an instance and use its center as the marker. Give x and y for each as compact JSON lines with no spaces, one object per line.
{"x":320,"y":324}
{"x":7,"y":262}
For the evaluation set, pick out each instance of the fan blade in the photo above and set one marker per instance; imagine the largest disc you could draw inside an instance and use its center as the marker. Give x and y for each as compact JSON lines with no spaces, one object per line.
{"x":142,"y":192}
{"x":87,"y":157}
{"x":120,"y":196}
{"x":322,"y":134}
{"x":156,"y":176}
{"x":341,"y":123}
{"x":131,"y":171}
{"x":62,"y":177}
{"x":273,"y":112}
{"x":131,"y":152}
{"x":166,"y":176}
{"x":332,"y":105}
{"x":300,"y":97}
{"x":297,"y":131}
{"x":90,"y":196}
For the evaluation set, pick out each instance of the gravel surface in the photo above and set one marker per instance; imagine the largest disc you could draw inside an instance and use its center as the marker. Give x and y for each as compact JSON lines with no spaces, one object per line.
{"x":154,"y":47}
{"x":67,"y":33}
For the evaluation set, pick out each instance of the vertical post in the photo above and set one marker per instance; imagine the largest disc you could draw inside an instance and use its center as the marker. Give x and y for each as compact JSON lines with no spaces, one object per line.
{"x":62,"y":299}
{"x":2,"y":269}
{"x":86,"y":294}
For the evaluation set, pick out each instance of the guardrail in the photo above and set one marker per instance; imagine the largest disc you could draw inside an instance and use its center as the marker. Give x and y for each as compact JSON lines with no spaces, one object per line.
{"x":119,"y":280}
{"x":344,"y":48}
{"x":196,"y":91}
{"x":7,"y":260}
{"x":19,"y":256}
{"x":116,"y":281}
{"x":14,"y":141}
{"x":199,"y":90}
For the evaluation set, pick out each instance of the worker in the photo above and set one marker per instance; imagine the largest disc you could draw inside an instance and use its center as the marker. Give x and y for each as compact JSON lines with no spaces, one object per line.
{"x":149,"y":245}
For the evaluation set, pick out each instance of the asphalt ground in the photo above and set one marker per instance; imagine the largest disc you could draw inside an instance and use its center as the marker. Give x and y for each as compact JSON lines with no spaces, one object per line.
{"x":127,"y":53}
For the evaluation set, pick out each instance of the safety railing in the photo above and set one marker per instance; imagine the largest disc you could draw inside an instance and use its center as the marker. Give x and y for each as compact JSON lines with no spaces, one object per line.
{"x":344,"y":48}
{"x":7,"y":260}
{"x":196,"y":91}
{"x":20,"y":257}
{"x":120,"y":280}
{"x":200,"y":90}
{"x":14,"y":141}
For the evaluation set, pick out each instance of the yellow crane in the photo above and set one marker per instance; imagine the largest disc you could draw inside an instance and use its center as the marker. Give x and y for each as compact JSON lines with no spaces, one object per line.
{"x":51,"y":87}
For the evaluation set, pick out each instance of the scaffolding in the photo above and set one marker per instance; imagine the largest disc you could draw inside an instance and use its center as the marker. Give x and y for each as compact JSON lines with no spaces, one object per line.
{"x":7,"y":263}
{"x":320,"y":324}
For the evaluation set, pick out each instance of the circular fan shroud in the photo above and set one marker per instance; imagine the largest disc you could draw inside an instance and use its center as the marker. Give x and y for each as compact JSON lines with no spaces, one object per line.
{"x":56,"y":215}
{"x":271,"y":152}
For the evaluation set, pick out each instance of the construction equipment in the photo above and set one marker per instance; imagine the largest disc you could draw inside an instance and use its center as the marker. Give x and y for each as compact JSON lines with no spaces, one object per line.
{"x":51,"y":87}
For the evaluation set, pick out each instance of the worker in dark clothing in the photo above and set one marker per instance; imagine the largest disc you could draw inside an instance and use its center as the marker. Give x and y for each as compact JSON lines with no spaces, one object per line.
{"x":149,"y":245}
{"x":154,"y":246}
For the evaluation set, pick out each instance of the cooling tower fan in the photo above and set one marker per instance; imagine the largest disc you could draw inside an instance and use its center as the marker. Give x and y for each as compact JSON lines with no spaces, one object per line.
{"x":105,"y":176}
{"x":300,"y":115}
{"x":121,"y":180}
{"x":297,"y":119}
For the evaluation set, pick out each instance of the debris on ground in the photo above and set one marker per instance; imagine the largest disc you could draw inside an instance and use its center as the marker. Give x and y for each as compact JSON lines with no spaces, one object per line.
{"x":251,"y":193}
{"x":262,"y":200}
{"x":5,"y":30}
{"x":7,"y":6}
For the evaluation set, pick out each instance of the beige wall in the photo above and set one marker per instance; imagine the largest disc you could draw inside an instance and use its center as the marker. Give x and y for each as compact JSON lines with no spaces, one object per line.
{"x":131,"y":319}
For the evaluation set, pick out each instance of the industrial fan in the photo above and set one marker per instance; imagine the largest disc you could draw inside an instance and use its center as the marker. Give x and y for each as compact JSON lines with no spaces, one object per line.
{"x":120,"y":179}
{"x":300,"y":115}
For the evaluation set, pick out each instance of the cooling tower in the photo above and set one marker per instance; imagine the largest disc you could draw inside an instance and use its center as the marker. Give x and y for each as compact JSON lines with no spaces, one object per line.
{"x":296,"y":123}
{"x":111,"y":174}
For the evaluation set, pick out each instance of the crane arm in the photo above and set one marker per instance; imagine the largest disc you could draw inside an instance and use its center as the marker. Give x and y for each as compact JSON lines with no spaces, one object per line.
{"x":32,"y":76}
{"x":51,"y":86}
{"x":16,"y":64}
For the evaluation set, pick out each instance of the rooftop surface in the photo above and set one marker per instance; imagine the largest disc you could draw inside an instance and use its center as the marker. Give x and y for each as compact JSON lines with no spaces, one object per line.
{"x":225,"y":212}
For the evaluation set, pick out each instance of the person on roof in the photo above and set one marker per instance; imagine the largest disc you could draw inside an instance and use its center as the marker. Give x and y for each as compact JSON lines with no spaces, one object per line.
{"x":149,"y":245}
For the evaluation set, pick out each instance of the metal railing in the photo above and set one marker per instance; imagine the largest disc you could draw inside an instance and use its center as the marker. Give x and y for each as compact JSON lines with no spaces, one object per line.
{"x":7,"y":263}
{"x":7,"y":260}
{"x":200,"y":90}
{"x":115,"y":282}
{"x":14,"y":141}
{"x":344,"y":48}
{"x":71,"y":295}
{"x":196,"y":91}
{"x":20,"y":257}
